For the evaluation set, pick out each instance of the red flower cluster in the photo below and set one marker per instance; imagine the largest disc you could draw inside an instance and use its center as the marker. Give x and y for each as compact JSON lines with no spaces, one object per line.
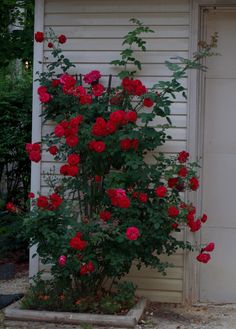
{"x":148,"y":102}
{"x":127,"y":144}
{"x":87,"y":268}
{"x":52,"y":203}
{"x":193,"y":224}
{"x":103,"y":128}
{"x":71,"y":169}
{"x":98,"y":89}
{"x":44,"y":96}
{"x":119,"y":198}
{"x":193,"y":183}
{"x":97,"y":146}
{"x":92,"y":77}
{"x":121,"y":118}
{"x":173,"y":211}
{"x":34,"y":151}
{"x":204,"y":256}
{"x":175,"y":182}
{"x":132,"y":233}
{"x":142,"y":197}
{"x":105,"y":215}
{"x":77,"y":242}
{"x":69,"y":130}
{"x":183,"y":156}
{"x":133,"y":87}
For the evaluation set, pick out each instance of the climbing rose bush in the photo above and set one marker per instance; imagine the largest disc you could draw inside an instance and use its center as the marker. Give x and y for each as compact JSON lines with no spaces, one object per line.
{"x":115,"y":200}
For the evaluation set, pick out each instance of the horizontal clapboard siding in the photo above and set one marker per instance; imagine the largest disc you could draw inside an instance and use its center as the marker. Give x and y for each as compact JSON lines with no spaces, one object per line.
{"x":95,"y":31}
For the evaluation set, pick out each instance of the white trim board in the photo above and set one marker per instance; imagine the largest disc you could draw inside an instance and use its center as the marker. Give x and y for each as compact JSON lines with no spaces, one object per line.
{"x":36,"y":120}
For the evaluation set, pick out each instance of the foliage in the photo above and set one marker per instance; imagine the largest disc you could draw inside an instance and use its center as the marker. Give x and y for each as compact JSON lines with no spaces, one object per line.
{"x":117,"y":199}
{"x":16,"y":30}
{"x":15,"y":105}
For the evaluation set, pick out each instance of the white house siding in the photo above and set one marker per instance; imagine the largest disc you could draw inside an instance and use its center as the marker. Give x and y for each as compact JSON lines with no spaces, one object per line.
{"x":95,"y":30}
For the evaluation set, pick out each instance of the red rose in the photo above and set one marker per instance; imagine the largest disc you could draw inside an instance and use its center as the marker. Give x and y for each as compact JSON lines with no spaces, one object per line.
{"x":39,"y":36}
{"x":148,"y":102}
{"x":55,"y":82}
{"x":50,"y":45}
{"x":83,"y":269}
{"x":73,"y":159}
{"x":110,"y":127}
{"x":31,"y":195}
{"x":90,"y":266}
{"x":98,"y":89}
{"x":183,"y":172}
{"x":62,"y":38}
{"x":161,"y":191}
{"x":35,"y":156}
{"x":64,"y":169}
{"x":131,"y":116}
{"x":53,"y":150}
{"x":99,"y":146}
{"x":56,"y":200}
{"x":11,"y":207}
{"x":92,"y":76}
{"x":105,"y":215}
{"x":135,"y":195}
{"x":173,"y":211}
{"x":59,"y":131}
{"x":193,"y":183}
{"x":134,"y":143}
{"x":76,"y":121}
{"x":204,"y":218}
{"x":190,"y":217}
{"x":42,"y":90}
{"x":143,"y":197}
{"x":125,"y":144}
{"x":78,"y":243}
{"x":42,"y":202}
{"x":183,"y":156}
{"x":72,"y":171}
{"x":194,"y":226}
{"x":203,"y":258}
{"x":72,"y":141}
{"x":85,"y":99}
{"x":123,"y":202}
{"x":98,"y":179}
{"x":172,"y":182}
{"x":45,"y":98}
{"x":132,"y":233}
{"x":118,"y":117}
{"x":210,"y":247}
{"x":174,"y":226}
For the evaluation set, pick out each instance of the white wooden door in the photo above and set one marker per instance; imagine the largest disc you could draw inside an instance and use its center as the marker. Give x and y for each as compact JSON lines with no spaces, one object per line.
{"x":218,"y":277}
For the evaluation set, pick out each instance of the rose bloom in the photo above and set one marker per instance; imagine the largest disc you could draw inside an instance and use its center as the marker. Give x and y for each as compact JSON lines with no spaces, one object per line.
{"x":62,"y":260}
{"x":59,"y":131}
{"x":76,"y":121}
{"x":210,"y":247}
{"x":45,"y":98}
{"x":11,"y":207}
{"x":73,"y":159}
{"x":42,"y":202}
{"x":56,"y":200}
{"x":90,"y":266}
{"x":194,"y":183}
{"x":148,"y":102}
{"x":117,"y":116}
{"x":134,"y":143}
{"x":55,"y":82}
{"x":132,"y":233}
{"x":78,"y":243}
{"x":173,"y":211}
{"x":131,"y":116}
{"x":72,"y":171}
{"x":204,"y":218}
{"x":143,"y":197}
{"x":203,"y":258}
{"x":161,"y":191}
{"x":92,"y":76}
{"x":85,"y":99}
{"x":64,"y":169}
{"x":174,"y":226}
{"x":183,"y":156}
{"x":53,"y":149}
{"x":50,"y":45}
{"x":98,"y":90}
{"x":41,"y":90}
{"x":183,"y":172}
{"x":31,"y":195}
{"x":99,"y":146}
{"x":105,"y":215}
{"x":98,"y":179}
{"x":62,"y":38}
{"x":194,"y":226}
{"x":125,"y":144}
{"x":35,"y":156}
{"x":83,"y":269}
{"x":172,"y":182}
{"x":110,"y":127}
{"x":72,"y":141}
{"x":123,"y":202}
{"x":39,"y":36}
{"x":68,"y":80}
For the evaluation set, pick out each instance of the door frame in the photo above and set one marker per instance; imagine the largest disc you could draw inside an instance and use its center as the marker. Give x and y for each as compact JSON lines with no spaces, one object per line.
{"x":195,"y":131}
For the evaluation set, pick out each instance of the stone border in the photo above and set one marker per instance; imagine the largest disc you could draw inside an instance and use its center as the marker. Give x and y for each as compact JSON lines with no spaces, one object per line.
{"x":13,"y":313}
